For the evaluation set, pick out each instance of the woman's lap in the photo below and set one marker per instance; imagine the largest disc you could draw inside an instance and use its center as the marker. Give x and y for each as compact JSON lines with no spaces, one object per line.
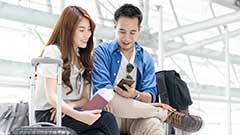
{"x":105,"y":124}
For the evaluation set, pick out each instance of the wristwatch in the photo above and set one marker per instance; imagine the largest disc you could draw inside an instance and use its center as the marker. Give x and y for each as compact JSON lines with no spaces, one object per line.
{"x":137,"y":96}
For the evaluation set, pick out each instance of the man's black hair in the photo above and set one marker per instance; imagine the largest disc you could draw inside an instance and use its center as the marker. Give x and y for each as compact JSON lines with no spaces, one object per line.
{"x":128,"y":10}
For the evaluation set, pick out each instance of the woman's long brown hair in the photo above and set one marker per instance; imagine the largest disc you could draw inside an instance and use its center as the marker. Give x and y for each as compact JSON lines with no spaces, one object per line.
{"x":62,"y":36}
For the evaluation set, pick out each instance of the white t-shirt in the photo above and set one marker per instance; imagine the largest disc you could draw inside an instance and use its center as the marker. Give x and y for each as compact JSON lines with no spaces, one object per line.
{"x":122,"y":72}
{"x":50,"y":71}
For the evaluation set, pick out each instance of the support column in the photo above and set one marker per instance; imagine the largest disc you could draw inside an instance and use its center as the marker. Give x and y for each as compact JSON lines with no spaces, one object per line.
{"x":160,"y":52}
{"x":228,"y":92}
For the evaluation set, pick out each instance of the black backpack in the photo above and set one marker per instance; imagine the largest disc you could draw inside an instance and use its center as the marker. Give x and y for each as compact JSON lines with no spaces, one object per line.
{"x":173,"y":90}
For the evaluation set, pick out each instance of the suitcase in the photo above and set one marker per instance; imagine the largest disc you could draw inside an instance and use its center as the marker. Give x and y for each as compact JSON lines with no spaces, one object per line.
{"x":44,"y":128}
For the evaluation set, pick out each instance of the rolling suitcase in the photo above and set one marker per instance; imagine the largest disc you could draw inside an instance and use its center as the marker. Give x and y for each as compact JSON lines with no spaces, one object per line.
{"x":44,"y":128}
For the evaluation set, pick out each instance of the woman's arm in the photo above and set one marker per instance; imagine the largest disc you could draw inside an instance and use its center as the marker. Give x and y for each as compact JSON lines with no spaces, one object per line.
{"x":84,"y":98}
{"x":88,"y":117}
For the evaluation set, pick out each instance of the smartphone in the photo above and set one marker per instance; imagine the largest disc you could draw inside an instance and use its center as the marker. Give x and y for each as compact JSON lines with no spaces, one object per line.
{"x":128,"y":82}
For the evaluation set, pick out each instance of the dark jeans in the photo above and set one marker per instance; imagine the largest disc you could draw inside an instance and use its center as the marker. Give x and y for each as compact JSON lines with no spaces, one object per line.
{"x":105,"y":125}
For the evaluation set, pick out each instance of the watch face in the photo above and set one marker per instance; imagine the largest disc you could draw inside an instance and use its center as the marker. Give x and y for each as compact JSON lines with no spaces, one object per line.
{"x":137,"y":96}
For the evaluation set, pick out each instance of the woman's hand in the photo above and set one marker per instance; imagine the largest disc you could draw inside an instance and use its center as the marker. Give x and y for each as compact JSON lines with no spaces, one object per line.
{"x":53,"y":115}
{"x":88,"y":117}
{"x":53,"y":111}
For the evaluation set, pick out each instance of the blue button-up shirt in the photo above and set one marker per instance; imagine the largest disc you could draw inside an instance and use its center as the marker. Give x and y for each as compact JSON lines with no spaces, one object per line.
{"x":106,"y":66}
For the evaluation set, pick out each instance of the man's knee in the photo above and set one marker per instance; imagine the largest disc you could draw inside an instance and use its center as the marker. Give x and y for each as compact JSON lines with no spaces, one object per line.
{"x":147,"y":126}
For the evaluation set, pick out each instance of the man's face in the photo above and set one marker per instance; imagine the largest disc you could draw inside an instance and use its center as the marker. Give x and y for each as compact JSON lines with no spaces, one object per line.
{"x":127,"y":31}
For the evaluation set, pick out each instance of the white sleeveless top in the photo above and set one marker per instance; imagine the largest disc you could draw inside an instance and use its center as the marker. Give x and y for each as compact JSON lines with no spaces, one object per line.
{"x":50,"y":71}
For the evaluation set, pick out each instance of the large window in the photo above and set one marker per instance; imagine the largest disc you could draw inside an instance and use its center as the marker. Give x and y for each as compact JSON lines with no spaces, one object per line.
{"x":203,"y":68}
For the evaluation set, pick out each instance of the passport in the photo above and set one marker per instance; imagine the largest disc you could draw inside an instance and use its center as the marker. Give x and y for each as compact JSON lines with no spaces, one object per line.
{"x":97,"y":102}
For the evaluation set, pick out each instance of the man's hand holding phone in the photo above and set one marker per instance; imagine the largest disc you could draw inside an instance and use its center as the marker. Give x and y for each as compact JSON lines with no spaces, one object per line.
{"x":125,"y":89}
{"x":128,"y":82}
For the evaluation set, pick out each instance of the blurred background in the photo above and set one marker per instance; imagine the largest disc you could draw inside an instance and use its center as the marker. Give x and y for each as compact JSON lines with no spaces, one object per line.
{"x":200,"y":39}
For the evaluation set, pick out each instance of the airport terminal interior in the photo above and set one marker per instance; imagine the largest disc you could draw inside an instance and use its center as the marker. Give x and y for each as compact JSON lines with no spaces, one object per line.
{"x":200,"y":39}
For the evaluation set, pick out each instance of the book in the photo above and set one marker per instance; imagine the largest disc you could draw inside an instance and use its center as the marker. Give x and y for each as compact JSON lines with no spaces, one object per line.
{"x":97,"y":102}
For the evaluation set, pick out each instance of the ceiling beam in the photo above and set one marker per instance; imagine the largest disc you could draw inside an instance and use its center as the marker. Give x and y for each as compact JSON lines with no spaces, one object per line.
{"x":41,"y":18}
{"x":199,"y":44}
{"x":212,"y":90}
{"x":27,"y":15}
{"x":22,"y":70}
{"x":227,"y":3}
{"x":17,"y":69}
{"x":203,"y":25}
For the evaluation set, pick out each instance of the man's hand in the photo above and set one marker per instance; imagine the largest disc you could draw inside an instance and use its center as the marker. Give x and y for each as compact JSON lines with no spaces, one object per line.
{"x":130,"y":93}
{"x":164,"y":106}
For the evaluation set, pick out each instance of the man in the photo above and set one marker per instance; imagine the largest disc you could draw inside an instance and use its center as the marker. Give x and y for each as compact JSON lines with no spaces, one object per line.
{"x":124,"y":58}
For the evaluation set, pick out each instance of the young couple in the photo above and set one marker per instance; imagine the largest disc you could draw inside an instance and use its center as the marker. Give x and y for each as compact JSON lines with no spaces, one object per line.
{"x":131,"y":111}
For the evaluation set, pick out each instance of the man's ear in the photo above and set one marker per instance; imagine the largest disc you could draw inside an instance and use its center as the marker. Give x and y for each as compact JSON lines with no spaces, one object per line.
{"x":139,"y":28}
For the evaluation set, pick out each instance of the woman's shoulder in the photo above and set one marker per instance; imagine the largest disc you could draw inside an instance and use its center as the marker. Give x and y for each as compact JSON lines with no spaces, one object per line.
{"x":52,"y":51}
{"x":52,"y":48}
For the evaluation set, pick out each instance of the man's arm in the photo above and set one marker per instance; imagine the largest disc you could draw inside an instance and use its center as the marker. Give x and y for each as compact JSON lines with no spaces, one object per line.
{"x":144,"y":97}
{"x":133,"y":93}
{"x":148,"y":84}
{"x":101,"y":70}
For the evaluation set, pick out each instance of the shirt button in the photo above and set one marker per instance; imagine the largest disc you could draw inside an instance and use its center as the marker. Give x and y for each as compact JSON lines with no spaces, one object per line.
{"x":118,"y":61}
{"x":114,"y":74}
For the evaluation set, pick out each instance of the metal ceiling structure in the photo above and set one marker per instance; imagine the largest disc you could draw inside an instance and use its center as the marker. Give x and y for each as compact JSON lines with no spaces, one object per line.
{"x":47,"y":19}
{"x":26,"y":15}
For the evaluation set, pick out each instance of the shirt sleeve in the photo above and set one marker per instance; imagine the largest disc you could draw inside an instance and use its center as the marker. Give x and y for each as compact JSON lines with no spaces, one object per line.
{"x":149,"y":78}
{"x":49,"y":70}
{"x":101,"y":70}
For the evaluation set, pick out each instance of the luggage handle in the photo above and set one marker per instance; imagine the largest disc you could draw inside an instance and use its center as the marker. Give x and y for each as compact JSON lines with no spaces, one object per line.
{"x":47,"y":60}
{"x":39,"y":124}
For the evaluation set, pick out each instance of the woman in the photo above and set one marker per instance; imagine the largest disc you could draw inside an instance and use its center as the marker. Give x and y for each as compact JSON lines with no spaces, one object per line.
{"x":71,"y":41}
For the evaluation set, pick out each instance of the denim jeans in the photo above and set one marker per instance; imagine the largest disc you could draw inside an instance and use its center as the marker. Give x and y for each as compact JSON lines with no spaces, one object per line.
{"x":105,"y":125}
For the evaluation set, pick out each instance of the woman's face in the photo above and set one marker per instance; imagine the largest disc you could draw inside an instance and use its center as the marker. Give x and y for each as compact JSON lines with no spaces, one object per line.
{"x":82,"y":33}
